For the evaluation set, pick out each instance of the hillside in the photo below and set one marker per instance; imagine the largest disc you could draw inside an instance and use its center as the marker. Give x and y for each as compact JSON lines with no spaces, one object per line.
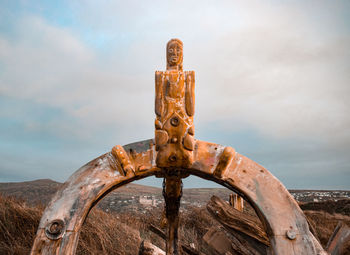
{"x":140,"y":198}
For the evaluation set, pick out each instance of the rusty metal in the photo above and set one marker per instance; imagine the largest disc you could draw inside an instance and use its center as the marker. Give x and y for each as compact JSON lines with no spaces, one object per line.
{"x":54,"y":229}
{"x":174,"y":154}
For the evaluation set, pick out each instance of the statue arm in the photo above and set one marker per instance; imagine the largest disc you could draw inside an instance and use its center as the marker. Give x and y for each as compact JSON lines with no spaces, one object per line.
{"x":189,"y":93}
{"x":159,"y":105}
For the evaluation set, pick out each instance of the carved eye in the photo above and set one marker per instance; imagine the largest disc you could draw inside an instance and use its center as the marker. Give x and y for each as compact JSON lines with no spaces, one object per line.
{"x":171,"y":50}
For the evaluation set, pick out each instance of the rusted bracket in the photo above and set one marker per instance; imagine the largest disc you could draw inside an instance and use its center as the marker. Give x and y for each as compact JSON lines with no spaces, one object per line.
{"x":173,"y":155}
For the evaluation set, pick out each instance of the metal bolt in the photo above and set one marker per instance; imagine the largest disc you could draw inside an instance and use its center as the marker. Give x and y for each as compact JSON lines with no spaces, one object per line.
{"x":291,"y":235}
{"x":54,"y":229}
{"x":172,"y":158}
{"x":174,"y":121}
{"x":174,"y":139}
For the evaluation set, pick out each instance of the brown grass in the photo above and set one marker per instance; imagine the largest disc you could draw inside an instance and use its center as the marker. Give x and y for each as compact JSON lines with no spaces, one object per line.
{"x":109,"y":233}
{"x":102,"y":233}
{"x":325,"y":223}
{"x":18,"y":224}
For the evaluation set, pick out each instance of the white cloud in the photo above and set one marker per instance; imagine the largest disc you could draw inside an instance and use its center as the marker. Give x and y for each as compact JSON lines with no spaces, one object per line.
{"x":259,"y":66}
{"x":276,"y":72}
{"x":283,"y":88}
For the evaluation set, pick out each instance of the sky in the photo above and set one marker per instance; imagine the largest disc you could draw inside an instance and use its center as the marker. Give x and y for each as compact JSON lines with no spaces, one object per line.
{"x":272,"y":81}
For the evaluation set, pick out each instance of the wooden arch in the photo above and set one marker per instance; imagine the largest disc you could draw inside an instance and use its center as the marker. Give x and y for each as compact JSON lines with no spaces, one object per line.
{"x":174,"y":154}
{"x":285,"y":223}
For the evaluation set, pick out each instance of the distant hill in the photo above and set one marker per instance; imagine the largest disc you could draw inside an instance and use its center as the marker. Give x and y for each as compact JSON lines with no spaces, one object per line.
{"x":41,"y":191}
{"x":134,"y":197}
{"x":34,"y":192}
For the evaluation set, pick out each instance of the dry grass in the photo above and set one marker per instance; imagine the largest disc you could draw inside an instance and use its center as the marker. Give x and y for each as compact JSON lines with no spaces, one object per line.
{"x":102,"y":233}
{"x":18,"y":224}
{"x":325,"y":223}
{"x":108,"y":233}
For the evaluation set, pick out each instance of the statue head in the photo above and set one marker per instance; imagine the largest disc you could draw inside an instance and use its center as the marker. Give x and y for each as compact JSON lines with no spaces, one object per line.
{"x":174,"y":54}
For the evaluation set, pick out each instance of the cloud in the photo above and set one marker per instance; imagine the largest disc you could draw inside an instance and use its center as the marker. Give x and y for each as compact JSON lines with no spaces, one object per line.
{"x":277,"y":70}
{"x":265,"y":74}
{"x":51,"y":66}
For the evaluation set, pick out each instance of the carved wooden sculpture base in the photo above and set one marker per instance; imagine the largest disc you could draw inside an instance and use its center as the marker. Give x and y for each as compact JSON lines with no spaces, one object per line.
{"x":172,"y":155}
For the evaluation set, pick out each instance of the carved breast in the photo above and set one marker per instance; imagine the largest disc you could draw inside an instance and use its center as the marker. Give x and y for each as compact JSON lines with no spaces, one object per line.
{"x":175,"y":88}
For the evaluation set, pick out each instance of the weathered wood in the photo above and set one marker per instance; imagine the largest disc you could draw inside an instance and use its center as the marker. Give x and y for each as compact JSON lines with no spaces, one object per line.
{"x":249,"y":236}
{"x":172,"y":192}
{"x":237,"y":202}
{"x":157,"y":231}
{"x":161,"y":234}
{"x":217,"y":242}
{"x":339,"y":238}
{"x":190,"y":251}
{"x":313,"y":229}
{"x":175,"y":149}
{"x":233,"y":219}
{"x":174,"y":107}
{"x":147,"y":248}
{"x":279,"y":213}
{"x":60,"y":225}
{"x":245,"y":245}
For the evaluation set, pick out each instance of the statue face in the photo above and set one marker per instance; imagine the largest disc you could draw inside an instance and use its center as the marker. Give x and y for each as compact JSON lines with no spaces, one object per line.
{"x":174,"y":54}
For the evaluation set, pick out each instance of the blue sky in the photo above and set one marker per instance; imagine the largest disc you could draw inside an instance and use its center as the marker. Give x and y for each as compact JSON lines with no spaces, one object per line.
{"x":272,"y":81}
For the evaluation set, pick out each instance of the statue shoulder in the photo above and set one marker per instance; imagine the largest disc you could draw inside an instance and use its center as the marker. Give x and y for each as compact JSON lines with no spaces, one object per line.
{"x":159,"y":73}
{"x":190,"y":75}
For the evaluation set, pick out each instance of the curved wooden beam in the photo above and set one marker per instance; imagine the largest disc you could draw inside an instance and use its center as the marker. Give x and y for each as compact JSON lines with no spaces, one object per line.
{"x":60,"y":225}
{"x":284,"y":222}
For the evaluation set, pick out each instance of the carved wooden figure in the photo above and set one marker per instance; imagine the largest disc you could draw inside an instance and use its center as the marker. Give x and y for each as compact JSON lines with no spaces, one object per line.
{"x":174,"y":131}
{"x":174,"y":107}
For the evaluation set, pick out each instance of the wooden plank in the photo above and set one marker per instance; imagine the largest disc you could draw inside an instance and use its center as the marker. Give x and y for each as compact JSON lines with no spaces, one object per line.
{"x":217,"y":242}
{"x":148,"y":248}
{"x":157,"y":231}
{"x":233,"y":219}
